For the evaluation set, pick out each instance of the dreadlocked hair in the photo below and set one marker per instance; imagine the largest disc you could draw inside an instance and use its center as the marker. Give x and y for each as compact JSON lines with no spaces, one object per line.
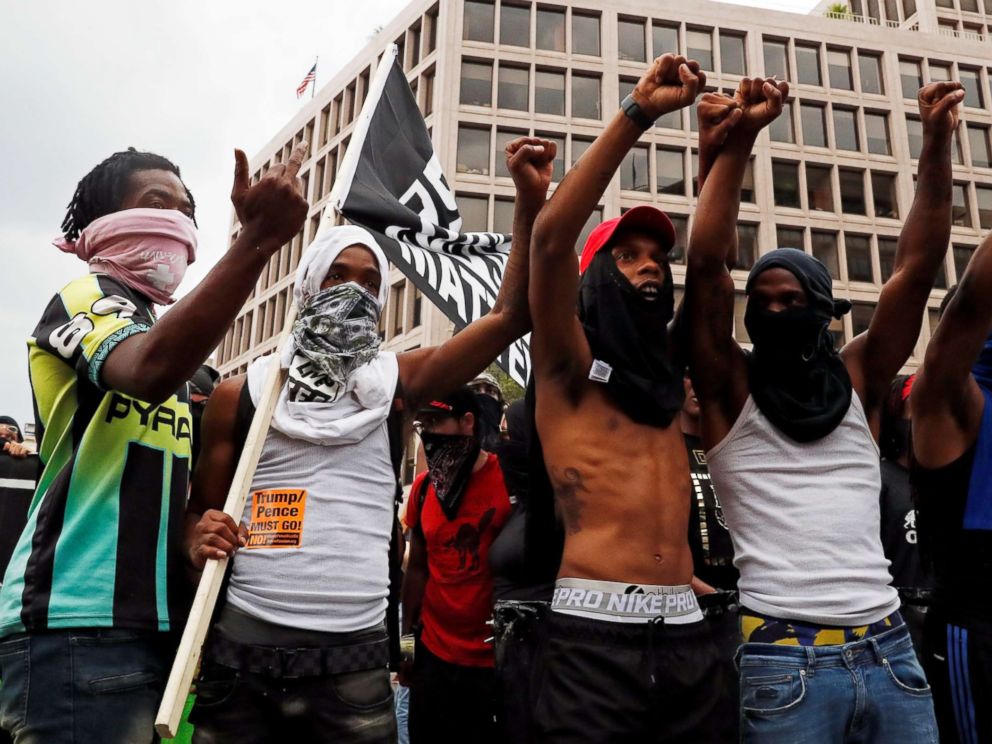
{"x":101,"y":191}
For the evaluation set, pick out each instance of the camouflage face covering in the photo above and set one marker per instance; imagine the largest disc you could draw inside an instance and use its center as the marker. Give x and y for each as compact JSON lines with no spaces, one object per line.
{"x":337,"y":330}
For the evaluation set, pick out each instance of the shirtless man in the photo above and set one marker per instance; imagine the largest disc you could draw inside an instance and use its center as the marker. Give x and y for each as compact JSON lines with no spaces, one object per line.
{"x":791,"y":433}
{"x":628,"y":653}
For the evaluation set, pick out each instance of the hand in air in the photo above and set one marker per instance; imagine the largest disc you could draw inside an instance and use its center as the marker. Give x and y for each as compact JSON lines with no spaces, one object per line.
{"x":939,"y":106}
{"x":531,"y":162}
{"x":760,"y":101}
{"x":672,"y":82}
{"x":217,"y":536}
{"x":275,"y":207}
{"x":718,"y":113}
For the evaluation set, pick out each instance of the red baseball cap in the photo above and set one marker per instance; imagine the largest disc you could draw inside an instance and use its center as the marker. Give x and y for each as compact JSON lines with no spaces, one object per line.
{"x":645,"y":218}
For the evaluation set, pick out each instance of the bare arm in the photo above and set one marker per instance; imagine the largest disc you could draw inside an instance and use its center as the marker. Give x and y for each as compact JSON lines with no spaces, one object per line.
{"x":717,"y":363}
{"x":209,"y":532}
{"x":429,"y":373}
{"x":415,"y":580}
{"x":947,"y":402}
{"x":151,"y":366}
{"x":669,"y":84}
{"x":874,"y":357}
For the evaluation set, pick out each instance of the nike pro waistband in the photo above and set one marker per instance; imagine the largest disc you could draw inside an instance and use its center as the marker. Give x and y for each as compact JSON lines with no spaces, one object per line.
{"x":617,"y":602}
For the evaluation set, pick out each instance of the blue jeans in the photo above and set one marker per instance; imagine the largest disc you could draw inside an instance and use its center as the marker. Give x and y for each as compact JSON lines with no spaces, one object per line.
{"x":872,"y":690}
{"x":81,"y":686}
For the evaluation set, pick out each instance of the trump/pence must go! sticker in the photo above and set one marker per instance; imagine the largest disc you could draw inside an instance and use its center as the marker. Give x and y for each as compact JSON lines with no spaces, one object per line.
{"x":277,"y":518}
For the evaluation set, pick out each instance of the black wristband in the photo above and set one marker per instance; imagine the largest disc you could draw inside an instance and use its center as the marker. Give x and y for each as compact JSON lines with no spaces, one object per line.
{"x":632,"y":109}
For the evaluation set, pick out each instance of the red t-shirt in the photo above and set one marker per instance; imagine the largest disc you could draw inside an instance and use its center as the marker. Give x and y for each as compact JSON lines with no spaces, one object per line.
{"x":458,"y":598}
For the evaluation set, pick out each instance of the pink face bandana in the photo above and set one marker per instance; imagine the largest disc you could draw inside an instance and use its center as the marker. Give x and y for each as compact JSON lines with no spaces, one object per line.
{"x":146,"y":249}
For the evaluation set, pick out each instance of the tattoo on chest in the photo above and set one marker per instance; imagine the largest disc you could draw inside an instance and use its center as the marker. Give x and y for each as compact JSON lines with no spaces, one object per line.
{"x":569,"y":492}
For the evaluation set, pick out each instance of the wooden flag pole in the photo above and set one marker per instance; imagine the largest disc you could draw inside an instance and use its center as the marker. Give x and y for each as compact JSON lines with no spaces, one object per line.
{"x":187,"y":660}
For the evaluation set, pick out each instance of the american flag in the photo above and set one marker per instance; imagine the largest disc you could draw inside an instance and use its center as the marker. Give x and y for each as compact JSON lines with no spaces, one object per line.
{"x":311,"y":77}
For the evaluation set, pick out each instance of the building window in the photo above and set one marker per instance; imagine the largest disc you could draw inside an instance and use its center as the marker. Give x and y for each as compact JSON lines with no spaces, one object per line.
{"x":883,"y":187}
{"x":790,"y":237}
{"x":819,"y":188}
{"x":960,"y":209}
{"x":909,"y":8}
{"x":634,"y":169}
{"x":625,"y":87}
{"x":870,"y":67}
{"x":417,"y":308}
{"x":477,"y":83}
{"x":814,"y":124}
{"x":549,"y":92}
{"x":681,"y":224}
{"x":586,"y":99}
{"x":972,"y":87}
{"x":983,"y":195}
{"x":911,"y":77}
{"x":591,"y":222}
{"x":551,"y":29}
{"x":825,"y":250}
{"x":630,"y":40}
{"x":846,"y":129}
{"x":776,"y":55}
{"x":839,"y":69}
{"x":747,"y":184}
{"x":514,"y":25}
{"x":782,"y":129}
{"x":699,"y":43}
{"x":558,"y":165}
{"x":503,"y":216}
{"x":664,"y":38}
{"x":914,"y":136}
{"x":852,"y":191}
{"x":962,"y":255}
{"x":503,"y":138}
{"x":740,"y":307}
{"x":785,"y":180}
{"x":670,"y":171}
{"x":478,"y":23}
{"x":858,"y":250}
{"x":970,"y":6}
{"x":474,"y":211}
{"x":887,"y":256}
{"x":747,"y":245}
{"x":473,"y":151}
{"x":733,"y":61}
{"x":579,"y":146}
{"x":512,"y":90}
{"x":978,"y":140}
{"x":585,"y":34}
{"x":861,"y":314}
{"x":940,"y":71}
{"x":877,"y":133}
{"x":808,"y":64}
{"x":397,"y":300}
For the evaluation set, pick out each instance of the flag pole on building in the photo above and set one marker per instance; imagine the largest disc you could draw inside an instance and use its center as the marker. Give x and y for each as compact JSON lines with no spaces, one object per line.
{"x":313,"y":87}
{"x":188,"y":654}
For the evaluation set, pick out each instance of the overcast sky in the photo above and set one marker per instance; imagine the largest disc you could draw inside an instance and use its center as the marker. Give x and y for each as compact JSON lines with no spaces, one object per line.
{"x":189,"y":80}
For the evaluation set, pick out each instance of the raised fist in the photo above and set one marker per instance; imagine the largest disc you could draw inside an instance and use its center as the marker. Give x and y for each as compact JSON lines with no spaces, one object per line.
{"x":530,"y":161}
{"x":672,"y":82}
{"x":274,"y":208}
{"x":718,"y":113}
{"x":760,"y":101}
{"x":939,"y":106}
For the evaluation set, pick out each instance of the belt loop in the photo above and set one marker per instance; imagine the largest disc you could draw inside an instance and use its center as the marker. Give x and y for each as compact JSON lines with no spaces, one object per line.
{"x":810,"y":660}
{"x":879,"y":656}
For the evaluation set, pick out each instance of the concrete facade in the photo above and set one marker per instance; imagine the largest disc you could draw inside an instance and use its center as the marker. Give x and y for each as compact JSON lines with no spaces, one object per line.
{"x":834,"y":175}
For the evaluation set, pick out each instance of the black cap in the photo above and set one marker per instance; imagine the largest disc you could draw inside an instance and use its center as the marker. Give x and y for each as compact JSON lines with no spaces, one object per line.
{"x":457,"y":403}
{"x":204,"y":380}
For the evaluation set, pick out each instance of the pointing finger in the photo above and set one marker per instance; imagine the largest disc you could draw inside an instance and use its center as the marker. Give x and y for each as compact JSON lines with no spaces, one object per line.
{"x":241,"y":180}
{"x":296,"y":159}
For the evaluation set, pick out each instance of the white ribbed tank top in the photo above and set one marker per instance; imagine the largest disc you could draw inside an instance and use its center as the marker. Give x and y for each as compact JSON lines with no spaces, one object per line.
{"x":804,"y":519}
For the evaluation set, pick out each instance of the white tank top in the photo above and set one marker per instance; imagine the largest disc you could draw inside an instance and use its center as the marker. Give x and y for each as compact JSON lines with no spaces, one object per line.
{"x":337,"y":579}
{"x":805,"y":520}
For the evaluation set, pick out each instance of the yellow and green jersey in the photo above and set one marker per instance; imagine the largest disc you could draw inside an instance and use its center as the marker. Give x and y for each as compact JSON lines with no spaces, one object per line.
{"x":102,"y":544}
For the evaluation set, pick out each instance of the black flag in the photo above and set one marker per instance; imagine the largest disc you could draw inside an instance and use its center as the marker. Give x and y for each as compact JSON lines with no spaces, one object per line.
{"x":395,"y":189}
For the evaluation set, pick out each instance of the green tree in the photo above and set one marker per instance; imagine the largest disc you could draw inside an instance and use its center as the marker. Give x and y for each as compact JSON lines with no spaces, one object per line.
{"x":511,"y":390}
{"x":838,"y":8}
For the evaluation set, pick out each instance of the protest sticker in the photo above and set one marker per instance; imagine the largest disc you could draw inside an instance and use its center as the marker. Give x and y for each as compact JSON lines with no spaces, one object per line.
{"x":277,"y":518}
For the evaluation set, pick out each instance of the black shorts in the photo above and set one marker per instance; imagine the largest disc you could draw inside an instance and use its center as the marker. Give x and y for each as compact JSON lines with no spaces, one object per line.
{"x":603,"y":681}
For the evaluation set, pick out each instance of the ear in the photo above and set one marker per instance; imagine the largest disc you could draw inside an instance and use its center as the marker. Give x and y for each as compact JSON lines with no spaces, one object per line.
{"x":466,"y":424}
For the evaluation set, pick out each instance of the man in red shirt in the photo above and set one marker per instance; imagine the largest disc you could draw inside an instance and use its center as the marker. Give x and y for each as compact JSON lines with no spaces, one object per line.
{"x":455,"y":511}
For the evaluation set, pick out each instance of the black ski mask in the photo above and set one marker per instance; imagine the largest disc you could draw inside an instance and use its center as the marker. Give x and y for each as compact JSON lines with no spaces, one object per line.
{"x":450,"y":460}
{"x":490,"y":414}
{"x":795,"y":374}
{"x":630,"y":333}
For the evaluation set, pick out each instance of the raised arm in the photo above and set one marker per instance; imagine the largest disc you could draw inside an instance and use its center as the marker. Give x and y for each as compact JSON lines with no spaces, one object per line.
{"x":430,"y":373}
{"x":151,"y":366}
{"x":717,"y":363}
{"x":874,"y":357}
{"x":947,"y":402}
{"x":671,"y":83}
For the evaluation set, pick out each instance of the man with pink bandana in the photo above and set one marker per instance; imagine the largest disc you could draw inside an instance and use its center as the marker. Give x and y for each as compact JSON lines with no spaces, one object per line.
{"x":94,"y":593}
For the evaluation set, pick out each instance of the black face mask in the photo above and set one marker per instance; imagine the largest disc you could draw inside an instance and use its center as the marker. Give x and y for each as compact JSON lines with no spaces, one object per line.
{"x":630,"y":333}
{"x":450,"y":460}
{"x":490,"y":413}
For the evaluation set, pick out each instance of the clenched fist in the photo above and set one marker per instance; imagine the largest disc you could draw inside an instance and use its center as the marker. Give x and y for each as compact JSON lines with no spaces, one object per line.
{"x":531,"y":162}
{"x":672,"y":82}
{"x":939,"y":106}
